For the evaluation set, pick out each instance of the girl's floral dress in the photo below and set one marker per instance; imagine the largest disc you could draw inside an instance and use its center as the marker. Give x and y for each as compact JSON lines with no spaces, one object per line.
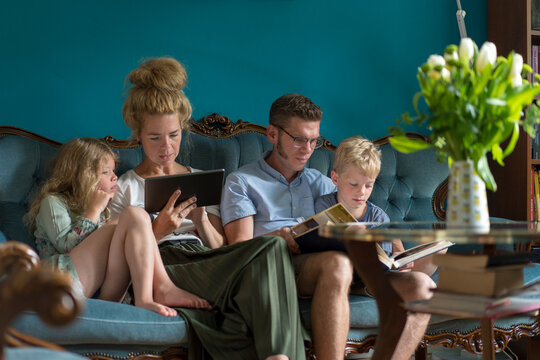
{"x":58,"y":231}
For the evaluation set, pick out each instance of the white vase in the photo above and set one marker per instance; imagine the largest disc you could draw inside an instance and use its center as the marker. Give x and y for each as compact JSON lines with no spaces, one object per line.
{"x":467,"y":201}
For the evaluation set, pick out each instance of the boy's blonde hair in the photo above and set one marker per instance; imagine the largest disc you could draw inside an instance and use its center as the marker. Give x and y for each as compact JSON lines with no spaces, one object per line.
{"x":156,"y":89}
{"x":360,"y":153}
{"x":76,"y":172}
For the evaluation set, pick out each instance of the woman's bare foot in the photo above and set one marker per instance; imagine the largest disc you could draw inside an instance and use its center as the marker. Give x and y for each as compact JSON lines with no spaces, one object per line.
{"x":171,"y":295}
{"x":156,"y":307}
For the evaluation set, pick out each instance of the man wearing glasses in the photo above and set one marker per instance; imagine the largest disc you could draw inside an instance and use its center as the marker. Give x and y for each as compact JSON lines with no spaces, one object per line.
{"x":277,"y":192}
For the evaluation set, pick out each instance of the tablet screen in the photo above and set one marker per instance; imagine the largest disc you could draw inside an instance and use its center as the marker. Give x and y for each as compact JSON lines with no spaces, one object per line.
{"x":205,"y":185}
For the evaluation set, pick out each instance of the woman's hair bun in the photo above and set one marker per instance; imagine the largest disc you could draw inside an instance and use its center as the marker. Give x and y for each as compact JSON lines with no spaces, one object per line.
{"x":165,"y":73}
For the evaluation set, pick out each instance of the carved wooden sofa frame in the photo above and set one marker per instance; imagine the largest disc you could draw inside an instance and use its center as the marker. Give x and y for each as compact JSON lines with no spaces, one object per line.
{"x":221,"y":127}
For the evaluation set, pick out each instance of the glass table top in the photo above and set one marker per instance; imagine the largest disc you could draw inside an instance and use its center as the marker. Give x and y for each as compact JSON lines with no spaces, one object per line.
{"x":500,"y":232}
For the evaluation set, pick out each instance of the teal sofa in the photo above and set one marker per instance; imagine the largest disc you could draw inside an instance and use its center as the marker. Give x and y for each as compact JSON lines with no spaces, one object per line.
{"x":410,"y":187}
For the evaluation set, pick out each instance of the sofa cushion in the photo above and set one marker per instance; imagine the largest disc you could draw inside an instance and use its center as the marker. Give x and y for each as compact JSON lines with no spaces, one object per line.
{"x":39,"y":353}
{"x":13,"y":228}
{"x":24,"y":169}
{"x":105,"y":322}
{"x":405,"y":185}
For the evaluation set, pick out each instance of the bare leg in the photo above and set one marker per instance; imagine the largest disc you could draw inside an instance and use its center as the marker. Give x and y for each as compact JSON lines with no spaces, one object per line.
{"x":91,"y":257}
{"x":122,"y":249}
{"x":146,"y":267}
{"x":117,"y":277}
{"x":327,"y":276}
{"x":411,"y":286}
{"x":277,"y":357}
{"x":167,"y":293}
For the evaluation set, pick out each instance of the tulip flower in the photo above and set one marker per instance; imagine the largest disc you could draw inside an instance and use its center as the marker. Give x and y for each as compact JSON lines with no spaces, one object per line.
{"x":515,"y":79}
{"x":517,"y":65}
{"x":450,"y":53}
{"x":445,"y":74}
{"x":478,"y":104}
{"x":487,"y":55}
{"x":436,"y":60}
{"x":466,"y":49}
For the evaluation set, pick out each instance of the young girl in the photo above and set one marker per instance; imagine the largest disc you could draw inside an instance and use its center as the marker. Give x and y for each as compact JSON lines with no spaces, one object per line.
{"x":74,"y":233}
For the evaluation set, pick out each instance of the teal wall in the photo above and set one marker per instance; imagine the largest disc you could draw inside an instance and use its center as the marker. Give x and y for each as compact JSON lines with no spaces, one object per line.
{"x":64,"y":62}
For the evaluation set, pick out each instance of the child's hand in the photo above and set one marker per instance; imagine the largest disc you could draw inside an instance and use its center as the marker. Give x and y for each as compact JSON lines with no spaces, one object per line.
{"x":98,"y":202}
{"x":170,"y":217}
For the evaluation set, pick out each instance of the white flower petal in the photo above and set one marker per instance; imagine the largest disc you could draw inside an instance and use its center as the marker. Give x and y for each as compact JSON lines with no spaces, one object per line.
{"x":436,"y":60}
{"x":466,"y":49}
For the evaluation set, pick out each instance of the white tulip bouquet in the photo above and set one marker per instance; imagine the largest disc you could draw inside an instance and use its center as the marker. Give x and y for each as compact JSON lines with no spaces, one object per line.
{"x":476,"y":102}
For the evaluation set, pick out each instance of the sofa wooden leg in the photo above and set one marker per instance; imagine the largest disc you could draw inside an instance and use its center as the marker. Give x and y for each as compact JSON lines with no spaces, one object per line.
{"x":420,"y":353}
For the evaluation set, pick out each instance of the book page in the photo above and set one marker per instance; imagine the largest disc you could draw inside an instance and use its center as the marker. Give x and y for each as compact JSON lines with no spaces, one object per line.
{"x":333,"y":215}
{"x":304,"y":227}
{"x":415,"y":250}
{"x":339,"y":214}
{"x":420,"y":251}
{"x":383,"y":257}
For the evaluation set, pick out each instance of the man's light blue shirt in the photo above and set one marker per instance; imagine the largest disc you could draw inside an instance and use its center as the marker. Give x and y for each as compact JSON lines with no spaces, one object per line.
{"x":260,"y":191}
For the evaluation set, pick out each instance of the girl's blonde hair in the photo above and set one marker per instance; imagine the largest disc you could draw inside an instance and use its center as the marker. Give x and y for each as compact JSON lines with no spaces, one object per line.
{"x":76,"y":171}
{"x":360,"y":153}
{"x":156,"y":89}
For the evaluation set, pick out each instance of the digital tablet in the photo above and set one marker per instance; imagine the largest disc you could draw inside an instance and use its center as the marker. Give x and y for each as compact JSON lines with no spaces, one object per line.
{"x":205,"y":185}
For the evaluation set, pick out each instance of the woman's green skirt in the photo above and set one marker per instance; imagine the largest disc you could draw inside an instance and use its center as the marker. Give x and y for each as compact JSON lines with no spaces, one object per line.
{"x":251,"y":287}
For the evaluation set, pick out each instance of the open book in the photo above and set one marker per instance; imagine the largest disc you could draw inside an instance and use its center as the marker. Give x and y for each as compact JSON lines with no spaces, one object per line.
{"x":419,"y":251}
{"x":333,"y":215}
{"x":309,"y":240}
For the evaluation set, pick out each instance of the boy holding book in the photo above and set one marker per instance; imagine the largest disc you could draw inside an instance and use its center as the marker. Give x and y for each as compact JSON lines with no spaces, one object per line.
{"x":357,"y":163}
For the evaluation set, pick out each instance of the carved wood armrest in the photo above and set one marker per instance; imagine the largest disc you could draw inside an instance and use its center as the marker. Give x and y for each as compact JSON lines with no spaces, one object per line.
{"x":26,"y":285}
{"x":16,"y":256}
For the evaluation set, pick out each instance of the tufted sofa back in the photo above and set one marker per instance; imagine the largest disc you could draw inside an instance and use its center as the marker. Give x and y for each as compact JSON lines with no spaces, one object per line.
{"x":407,"y":188}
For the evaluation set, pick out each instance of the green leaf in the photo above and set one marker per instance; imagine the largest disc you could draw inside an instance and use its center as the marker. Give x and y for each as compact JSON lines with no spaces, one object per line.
{"x":513,"y":141}
{"x":497,"y":154}
{"x":482,"y":168}
{"x":405,"y":145}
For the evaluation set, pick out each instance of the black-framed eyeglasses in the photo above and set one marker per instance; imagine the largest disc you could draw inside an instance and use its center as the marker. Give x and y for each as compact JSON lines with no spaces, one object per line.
{"x":300,"y":141}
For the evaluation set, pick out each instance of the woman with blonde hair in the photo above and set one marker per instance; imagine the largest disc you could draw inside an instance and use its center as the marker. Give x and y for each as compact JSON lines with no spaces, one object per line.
{"x":251,"y":285}
{"x":75,"y":234}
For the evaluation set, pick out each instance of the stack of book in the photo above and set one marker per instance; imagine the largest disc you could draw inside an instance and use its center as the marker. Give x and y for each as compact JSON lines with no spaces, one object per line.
{"x":472,"y":284}
{"x":481,"y":274}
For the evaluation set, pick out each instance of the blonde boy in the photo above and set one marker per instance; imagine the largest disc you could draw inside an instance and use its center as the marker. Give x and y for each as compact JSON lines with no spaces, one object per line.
{"x":357,"y":163}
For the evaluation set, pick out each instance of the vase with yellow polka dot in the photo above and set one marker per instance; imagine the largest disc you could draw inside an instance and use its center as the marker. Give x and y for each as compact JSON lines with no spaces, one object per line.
{"x":467,"y":201}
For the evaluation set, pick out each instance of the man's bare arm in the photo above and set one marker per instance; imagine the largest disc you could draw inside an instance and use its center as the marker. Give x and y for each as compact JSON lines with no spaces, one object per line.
{"x":242,"y":230}
{"x":239,"y":230}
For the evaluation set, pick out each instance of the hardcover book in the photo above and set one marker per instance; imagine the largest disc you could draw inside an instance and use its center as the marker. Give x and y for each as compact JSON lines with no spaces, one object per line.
{"x":462,"y":302}
{"x":478,"y":261}
{"x":489,"y":281}
{"x":514,"y":305}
